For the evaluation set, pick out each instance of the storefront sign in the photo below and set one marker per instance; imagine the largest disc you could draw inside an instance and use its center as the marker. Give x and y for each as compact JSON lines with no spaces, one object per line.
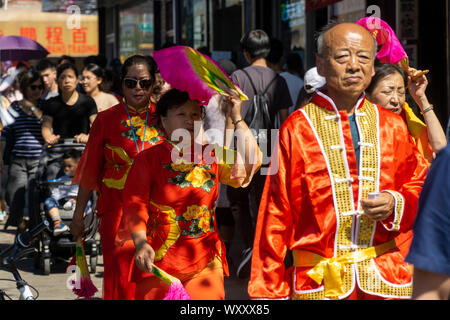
{"x":291,"y":11}
{"x":51,"y":31}
{"x":407,"y":19}
{"x":145,"y":26}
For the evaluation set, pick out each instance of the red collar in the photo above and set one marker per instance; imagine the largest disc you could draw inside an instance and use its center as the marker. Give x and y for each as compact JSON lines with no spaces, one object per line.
{"x":133,"y":110}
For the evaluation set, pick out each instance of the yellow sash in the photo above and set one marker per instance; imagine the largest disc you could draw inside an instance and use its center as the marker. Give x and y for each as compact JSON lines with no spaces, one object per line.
{"x":418,"y":131}
{"x":331,"y":270}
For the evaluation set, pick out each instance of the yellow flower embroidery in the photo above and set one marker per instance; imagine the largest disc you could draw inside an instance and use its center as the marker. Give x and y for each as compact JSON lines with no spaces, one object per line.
{"x":192,"y":212}
{"x":181,"y":165}
{"x":205,"y":221}
{"x":198,"y":177}
{"x":150,"y":132}
{"x":136,"y":122}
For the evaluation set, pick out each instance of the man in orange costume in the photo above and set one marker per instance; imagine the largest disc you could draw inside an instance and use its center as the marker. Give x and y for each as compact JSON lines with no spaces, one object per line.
{"x":345,"y":192}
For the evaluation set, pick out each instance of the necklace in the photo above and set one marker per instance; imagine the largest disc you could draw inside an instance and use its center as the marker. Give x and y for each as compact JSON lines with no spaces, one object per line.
{"x":132,"y":128}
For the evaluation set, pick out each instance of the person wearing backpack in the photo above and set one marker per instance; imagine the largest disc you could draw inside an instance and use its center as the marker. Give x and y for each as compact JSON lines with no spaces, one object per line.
{"x":268,"y":95}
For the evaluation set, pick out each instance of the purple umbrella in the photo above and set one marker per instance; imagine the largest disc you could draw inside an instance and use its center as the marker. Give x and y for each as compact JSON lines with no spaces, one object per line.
{"x":17,"y":48}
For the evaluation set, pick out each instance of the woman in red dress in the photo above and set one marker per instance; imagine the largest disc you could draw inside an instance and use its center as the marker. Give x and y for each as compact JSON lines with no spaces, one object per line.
{"x":116,"y":137}
{"x":169,"y":200}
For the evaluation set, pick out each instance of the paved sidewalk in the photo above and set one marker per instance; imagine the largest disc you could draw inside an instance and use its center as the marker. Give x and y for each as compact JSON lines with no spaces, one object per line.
{"x":51,"y":287}
{"x":54,"y":286}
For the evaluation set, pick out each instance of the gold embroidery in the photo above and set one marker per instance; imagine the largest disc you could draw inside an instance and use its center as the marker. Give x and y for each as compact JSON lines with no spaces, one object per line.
{"x":126,"y":161}
{"x":366,"y":119}
{"x":369,"y":278}
{"x":174,"y":232}
{"x":329,"y":133}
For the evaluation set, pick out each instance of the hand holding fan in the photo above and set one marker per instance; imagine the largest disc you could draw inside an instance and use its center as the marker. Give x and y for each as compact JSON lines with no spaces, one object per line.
{"x":186,"y":69}
{"x":391,"y":50}
{"x":176,"y":290}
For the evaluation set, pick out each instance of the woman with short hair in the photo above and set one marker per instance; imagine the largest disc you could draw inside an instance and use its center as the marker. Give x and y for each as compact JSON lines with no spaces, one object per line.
{"x":170,"y":200}
{"x":24,"y":135}
{"x":388,"y":89}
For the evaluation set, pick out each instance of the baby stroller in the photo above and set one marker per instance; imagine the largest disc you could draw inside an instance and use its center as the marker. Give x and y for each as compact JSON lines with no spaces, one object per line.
{"x":62,"y":246}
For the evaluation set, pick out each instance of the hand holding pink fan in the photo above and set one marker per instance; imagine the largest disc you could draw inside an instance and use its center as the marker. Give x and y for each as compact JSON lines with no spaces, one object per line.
{"x":391,"y":50}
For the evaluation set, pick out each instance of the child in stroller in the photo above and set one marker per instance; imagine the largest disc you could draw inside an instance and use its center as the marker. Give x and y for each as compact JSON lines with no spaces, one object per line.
{"x":65,"y":193}
{"x":54,"y":173}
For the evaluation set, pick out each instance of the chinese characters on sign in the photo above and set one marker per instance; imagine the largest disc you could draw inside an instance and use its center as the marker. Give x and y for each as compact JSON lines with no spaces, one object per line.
{"x":52,"y":32}
{"x":407,"y":28}
{"x":407,"y":19}
{"x":29,"y":32}
{"x":55,"y":43}
{"x":78,"y":45}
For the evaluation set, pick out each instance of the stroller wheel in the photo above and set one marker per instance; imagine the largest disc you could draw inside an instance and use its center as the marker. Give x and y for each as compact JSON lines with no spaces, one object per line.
{"x":46,"y":266}
{"x":93,"y":263}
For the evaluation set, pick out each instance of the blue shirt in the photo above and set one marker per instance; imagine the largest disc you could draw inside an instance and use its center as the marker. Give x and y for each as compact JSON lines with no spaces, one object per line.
{"x":448,"y":130}
{"x":430,"y":249}
{"x":355,"y":137}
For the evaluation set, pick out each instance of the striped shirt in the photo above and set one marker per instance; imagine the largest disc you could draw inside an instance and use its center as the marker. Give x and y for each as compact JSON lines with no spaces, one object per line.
{"x":25,"y":133}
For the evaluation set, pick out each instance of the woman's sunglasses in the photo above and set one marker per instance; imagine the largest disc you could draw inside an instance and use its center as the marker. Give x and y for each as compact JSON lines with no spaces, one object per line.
{"x":36,"y":87}
{"x":132,"y":83}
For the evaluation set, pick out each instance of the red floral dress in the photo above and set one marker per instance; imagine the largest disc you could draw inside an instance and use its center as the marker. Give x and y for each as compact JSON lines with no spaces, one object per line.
{"x":174,"y":201}
{"x":104,"y":167}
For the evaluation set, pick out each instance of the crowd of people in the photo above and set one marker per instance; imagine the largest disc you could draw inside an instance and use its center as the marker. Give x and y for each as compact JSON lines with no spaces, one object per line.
{"x":326,"y":211}
{"x":44,"y":104}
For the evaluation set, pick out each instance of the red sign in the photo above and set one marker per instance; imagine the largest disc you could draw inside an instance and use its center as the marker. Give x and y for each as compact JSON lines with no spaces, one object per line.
{"x":317,"y":4}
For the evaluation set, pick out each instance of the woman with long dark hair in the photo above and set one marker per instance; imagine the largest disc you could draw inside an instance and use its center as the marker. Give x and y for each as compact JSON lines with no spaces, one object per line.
{"x":91,"y":82}
{"x":117,"y":136}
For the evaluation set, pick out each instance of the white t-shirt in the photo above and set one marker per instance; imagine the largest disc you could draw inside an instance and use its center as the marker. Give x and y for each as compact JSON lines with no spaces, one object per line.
{"x":295,"y":84}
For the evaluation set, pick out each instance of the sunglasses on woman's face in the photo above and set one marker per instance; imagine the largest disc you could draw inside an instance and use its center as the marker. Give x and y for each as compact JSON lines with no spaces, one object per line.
{"x":131,"y":83}
{"x":36,"y":87}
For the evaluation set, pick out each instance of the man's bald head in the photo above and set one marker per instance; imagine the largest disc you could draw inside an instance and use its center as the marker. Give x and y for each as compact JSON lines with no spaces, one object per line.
{"x":346,"y":60}
{"x":324,"y":40}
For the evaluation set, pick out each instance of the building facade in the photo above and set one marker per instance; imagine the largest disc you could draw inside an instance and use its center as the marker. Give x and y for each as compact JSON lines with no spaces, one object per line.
{"x":141,"y":26}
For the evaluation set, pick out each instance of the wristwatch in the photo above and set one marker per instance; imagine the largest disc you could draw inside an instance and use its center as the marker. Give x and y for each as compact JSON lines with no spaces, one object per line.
{"x":32,"y":108}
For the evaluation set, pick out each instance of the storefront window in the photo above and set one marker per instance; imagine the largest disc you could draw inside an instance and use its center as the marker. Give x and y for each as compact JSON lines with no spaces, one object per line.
{"x":136,"y":30}
{"x":229,"y":3}
{"x":293,"y":20}
{"x":194,"y":27}
{"x":349,"y":10}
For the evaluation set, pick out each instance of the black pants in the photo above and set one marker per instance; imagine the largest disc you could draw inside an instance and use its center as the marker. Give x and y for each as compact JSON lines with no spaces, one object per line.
{"x":244,"y":204}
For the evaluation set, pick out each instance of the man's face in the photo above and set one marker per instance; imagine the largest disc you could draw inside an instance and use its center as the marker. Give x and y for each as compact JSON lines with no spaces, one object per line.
{"x":49,"y":77}
{"x":347,"y":60}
